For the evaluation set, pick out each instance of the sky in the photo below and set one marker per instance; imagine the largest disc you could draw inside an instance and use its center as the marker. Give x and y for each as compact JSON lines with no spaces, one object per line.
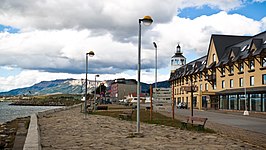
{"x":43,"y":40}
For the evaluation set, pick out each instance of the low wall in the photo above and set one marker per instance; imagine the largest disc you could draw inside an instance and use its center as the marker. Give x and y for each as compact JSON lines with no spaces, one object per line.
{"x":33,"y":139}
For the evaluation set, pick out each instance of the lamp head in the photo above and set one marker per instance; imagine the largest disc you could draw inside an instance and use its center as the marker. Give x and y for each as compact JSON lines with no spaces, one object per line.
{"x":147,"y":20}
{"x":154,"y":44}
{"x":91,"y":53}
{"x":97,"y":75}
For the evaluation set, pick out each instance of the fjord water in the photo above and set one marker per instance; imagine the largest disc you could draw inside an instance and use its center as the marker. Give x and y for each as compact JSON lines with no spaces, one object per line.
{"x":10,"y":112}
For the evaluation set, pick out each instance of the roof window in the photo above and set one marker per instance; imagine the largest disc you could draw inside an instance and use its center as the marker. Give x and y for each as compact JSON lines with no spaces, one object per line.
{"x":203,"y":62}
{"x":245,"y":47}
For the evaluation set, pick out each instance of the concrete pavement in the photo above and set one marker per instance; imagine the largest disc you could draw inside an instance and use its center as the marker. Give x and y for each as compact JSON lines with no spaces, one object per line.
{"x":235,"y":120}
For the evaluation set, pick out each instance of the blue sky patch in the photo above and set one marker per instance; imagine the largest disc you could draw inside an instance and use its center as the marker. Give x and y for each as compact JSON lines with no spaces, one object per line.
{"x":194,"y":12}
{"x":255,"y":10}
{"x":8,"y":29}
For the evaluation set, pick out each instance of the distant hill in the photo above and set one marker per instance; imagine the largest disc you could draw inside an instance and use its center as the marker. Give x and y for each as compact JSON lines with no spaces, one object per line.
{"x":65,"y":86}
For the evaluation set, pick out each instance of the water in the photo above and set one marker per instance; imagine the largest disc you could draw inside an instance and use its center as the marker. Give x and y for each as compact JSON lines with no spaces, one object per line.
{"x":10,"y":112}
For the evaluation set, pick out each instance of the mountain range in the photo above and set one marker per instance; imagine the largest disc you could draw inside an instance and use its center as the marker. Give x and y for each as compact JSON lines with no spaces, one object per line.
{"x":68,"y":86}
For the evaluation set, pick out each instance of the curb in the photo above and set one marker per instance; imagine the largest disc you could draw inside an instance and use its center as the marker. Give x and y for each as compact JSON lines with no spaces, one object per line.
{"x":33,"y":139}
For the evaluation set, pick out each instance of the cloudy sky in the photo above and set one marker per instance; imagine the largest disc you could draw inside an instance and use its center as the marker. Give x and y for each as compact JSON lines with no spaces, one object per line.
{"x":43,"y":40}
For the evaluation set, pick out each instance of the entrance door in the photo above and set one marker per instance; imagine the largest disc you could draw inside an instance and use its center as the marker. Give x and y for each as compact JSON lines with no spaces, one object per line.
{"x":204,"y":102}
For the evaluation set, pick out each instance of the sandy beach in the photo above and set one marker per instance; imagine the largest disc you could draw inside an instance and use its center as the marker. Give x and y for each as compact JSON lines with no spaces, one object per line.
{"x":70,"y":129}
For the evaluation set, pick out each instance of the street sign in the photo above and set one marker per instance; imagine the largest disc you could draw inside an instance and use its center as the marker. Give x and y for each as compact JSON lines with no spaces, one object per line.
{"x":189,"y":88}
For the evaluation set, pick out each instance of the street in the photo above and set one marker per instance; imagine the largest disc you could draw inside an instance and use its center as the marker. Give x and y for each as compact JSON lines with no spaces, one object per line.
{"x":235,"y":120}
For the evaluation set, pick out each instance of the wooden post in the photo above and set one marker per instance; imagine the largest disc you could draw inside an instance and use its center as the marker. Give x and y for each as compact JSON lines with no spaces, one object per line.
{"x":151,"y":102}
{"x":173,"y":99}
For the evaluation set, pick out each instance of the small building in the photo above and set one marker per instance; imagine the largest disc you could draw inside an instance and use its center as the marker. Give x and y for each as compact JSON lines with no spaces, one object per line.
{"x":121,"y":87}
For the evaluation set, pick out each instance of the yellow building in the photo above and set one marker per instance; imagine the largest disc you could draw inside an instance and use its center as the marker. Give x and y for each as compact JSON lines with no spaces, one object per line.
{"x":231,"y":76}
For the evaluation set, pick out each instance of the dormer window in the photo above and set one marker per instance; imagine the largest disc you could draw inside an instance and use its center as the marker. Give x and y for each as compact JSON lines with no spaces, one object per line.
{"x":245,"y":47}
{"x":241,"y":67}
{"x":213,"y":58}
{"x":251,"y":65}
{"x":200,"y":75}
{"x":231,"y":69}
{"x":223,"y":71}
{"x":263,"y":62}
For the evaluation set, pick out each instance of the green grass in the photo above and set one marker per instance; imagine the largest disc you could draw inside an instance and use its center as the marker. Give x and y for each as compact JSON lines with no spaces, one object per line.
{"x":157,"y":118}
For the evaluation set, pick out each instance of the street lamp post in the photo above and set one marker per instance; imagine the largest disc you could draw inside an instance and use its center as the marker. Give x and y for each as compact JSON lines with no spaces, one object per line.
{"x":91,"y":54}
{"x":147,"y":20}
{"x":95,"y":92}
{"x":155,"y":86}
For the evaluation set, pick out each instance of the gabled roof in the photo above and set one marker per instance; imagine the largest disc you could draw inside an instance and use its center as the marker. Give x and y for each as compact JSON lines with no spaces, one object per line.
{"x":223,"y":41}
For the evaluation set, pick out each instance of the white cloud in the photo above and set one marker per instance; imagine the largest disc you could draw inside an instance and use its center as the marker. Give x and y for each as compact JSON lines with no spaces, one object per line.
{"x":55,"y":35}
{"x":194,"y":35}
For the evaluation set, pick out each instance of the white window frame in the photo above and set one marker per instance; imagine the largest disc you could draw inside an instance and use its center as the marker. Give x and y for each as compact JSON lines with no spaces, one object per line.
{"x":231,"y":83}
{"x":251,"y":78}
{"x":223,"y":84}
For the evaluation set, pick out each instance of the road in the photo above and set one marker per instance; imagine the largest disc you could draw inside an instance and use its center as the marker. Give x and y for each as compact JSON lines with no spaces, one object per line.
{"x":235,"y":120}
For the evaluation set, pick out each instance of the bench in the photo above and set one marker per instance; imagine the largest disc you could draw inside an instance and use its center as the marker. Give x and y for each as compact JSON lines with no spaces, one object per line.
{"x":199,"y":122}
{"x":127,"y":114}
{"x":102,"y":107}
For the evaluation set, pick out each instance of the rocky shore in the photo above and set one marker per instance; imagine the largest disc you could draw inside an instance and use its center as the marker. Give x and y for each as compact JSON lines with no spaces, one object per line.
{"x":70,"y":129}
{"x":13,"y":133}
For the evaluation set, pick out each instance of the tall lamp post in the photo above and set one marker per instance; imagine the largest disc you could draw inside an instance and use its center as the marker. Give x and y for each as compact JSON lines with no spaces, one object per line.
{"x":155,"y":46}
{"x":147,"y":20}
{"x":95,"y":92}
{"x":91,"y":54}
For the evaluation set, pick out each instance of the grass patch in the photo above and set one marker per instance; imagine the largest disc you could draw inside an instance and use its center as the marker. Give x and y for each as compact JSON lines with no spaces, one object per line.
{"x":157,"y":118}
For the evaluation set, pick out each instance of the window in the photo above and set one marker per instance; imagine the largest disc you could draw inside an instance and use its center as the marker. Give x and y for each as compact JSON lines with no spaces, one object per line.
{"x":231,"y":69}
{"x":177,"y":62}
{"x":252,"y":81}
{"x":200,"y":75}
{"x":264,"y":79}
{"x":251,"y":65}
{"x":263,"y":62}
{"x":241,"y":67}
{"x":214,"y":85}
{"x":200,"y":87}
{"x":240,"y":82}
{"x":231,"y":83}
{"x":206,"y":86}
{"x":223,"y":84}
{"x":223,"y":71}
{"x":182,"y":62}
{"x":213,"y":58}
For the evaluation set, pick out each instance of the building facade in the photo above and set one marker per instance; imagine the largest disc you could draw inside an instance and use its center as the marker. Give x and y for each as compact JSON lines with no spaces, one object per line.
{"x":231,"y":76}
{"x":120,"y":88}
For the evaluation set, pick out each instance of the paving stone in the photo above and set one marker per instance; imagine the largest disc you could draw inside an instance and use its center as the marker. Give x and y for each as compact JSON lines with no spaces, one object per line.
{"x":102,"y":132}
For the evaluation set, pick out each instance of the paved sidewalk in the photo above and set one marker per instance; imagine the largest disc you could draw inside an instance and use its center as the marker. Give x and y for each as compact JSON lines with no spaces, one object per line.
{"x":231,"y":124}
{"x":71,"y":130}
